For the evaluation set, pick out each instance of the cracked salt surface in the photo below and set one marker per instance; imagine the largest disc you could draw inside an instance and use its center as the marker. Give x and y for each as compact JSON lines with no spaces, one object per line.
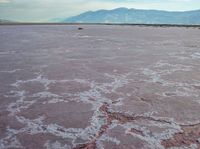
{"x":56,"y":145}
{"x":196,"y":55}
{"x":11,"y":71}
{"x":149,"y":96}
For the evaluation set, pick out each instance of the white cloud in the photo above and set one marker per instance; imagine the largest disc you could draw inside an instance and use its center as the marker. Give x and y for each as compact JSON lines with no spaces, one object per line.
{"x":5,"y":1}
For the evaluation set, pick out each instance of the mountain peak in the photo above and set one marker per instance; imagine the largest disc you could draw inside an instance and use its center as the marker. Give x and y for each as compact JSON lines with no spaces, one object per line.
{"x":121,"y":8}
{"x":140,"y":16}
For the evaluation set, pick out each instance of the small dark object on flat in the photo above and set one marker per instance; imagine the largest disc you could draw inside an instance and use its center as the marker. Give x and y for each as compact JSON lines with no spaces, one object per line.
{"x":80,"y":28}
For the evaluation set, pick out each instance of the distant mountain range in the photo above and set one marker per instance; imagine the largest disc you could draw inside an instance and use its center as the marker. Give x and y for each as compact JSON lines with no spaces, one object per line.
{"x":5,"y":21}
{"x":138,"y":16}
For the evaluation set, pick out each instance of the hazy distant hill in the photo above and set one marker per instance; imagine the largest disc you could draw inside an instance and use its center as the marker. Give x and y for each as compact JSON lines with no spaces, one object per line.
{"x":4,"y":21}
{"x":124,"y":15}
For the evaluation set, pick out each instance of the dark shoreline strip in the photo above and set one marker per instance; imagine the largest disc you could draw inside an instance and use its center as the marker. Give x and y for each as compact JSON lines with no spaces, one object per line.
{"x":115,"y":24}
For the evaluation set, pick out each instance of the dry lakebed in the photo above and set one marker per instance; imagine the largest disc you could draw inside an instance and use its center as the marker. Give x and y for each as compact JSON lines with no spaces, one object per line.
{"x":99,"y":87}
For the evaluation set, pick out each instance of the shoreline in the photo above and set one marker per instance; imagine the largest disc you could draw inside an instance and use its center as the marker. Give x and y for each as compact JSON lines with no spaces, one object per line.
{"x":114,"y":24}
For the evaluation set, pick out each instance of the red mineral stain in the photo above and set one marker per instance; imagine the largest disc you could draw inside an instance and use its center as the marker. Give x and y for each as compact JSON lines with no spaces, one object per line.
{"x":189,"y":136}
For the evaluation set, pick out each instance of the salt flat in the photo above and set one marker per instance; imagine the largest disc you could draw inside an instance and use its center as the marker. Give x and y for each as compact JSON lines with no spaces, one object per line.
{"x":104,"y":87}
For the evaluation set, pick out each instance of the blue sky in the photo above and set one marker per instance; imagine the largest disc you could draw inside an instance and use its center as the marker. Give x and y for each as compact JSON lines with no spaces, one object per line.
{"x":44,"y":10}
